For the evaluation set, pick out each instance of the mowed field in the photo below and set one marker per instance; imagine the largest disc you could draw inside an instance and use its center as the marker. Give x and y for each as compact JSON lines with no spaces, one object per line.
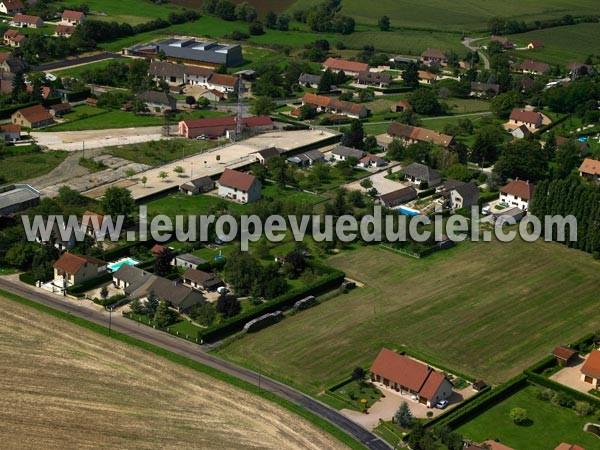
{"x":66,"y":387}
{"x":487,"y":310}
{"x":561,"y":44}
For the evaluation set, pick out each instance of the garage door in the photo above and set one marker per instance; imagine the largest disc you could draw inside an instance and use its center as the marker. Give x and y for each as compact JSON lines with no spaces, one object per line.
{"x":423,"y":400}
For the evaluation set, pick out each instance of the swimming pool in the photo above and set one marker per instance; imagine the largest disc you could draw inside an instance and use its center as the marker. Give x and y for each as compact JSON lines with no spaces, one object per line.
{"x":114,"y":266}
{"x":408,"y":211}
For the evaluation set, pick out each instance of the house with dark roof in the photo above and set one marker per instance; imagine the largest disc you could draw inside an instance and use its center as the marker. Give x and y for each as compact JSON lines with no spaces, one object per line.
{"x":410,"y":135}
{"x":418,"y":173}
{"x":198,"y":279}
{"x":11,"y":64}
{"x":590,"y":168}
{"x":26,"y":21}
{"x":484,"y":89}
{"x":307,"y":159}
{"x":350,"y":68}
{"x":531,"y":119}
{"x":342,"y":153}
{"x":174,"y":74}
{"x":60,"y":109}
{"x":407,"y":375}
{"x":187,"y":261}
{"x":223,"y":126}
{"x":157,"y":101}
{"x":17,"y":197}
{"x":76,"y":269}
{"x":506,"y":43}
{"x":11,"y":7}
{"x":141,"y":283}
{"x":397,"y":197}
{"x":582,"y":146}
{"x":590,"y":371}
{"x":577,"y":70}
{"x":378,"y":79}
{"x":333,"y":105}
{"x":433,"y":56}
{"x":198,"y":186}
{"x":517,"y":194}
{"x":129,"y":278}
{"x":35,"y":116}
{"x":464,"y":196}
{"x":263,"y":156}
{"x":239,"y":186}
{"x":564,"y":354}
{"x":309,"y":80}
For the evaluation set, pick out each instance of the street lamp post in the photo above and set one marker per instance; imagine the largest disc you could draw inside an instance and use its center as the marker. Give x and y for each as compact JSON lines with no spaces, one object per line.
{"x":110,"y":310}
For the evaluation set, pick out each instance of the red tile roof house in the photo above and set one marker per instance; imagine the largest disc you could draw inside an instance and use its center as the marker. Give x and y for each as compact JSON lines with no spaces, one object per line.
{"x":565,"y":446}
{"x":590,"y":168}
{"x":11,"y":132}
{"x":222,"y":126}
{"x":530,"y":119}
{"x":14,"y":38}
{"x":410,"y":135}
{"x":72,"y":17}
{"x":401,"y":106}
{"x":508,"y":45}
{"x":335,"y":106}
{"x":535,"y":44}
{"x":537,"y":68}
{"x":75,"y":269}
{"x":26,"y":21}
{"x":590,"y":371}
{"x":406,"y":375}
{"x":350,"y":68}
{"x":518,"y":194}
{"x":433,"y":56}
{"x":11,"y":7}
{"x":64,"y":31}
{"x":35,"y":116}
{"x":93,"y":223}
{"x":239,"y":186}
{"x":223,"y":83}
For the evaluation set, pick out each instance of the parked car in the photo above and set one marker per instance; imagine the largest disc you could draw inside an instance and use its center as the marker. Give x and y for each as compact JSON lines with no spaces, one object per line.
{"x":479,"y":385}
{"x":201,"y":137}
{"x":415,"y":398}
{"x":441,"y":404}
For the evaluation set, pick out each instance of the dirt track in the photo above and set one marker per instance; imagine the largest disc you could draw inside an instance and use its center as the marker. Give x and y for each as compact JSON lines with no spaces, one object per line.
{"x":66,"y":387}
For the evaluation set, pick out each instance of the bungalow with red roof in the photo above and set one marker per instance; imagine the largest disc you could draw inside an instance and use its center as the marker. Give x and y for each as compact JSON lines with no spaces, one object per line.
{"x":65,"y":31}
{"x":518,"y":194}
{"x":93,"y":223}
{"x":506,"y":44}
{"x":530,"y":119}
{"x":26,"y":21}
{"x":590,"y":168}
{"x":401,"y":106}
{"x":537,"y":68}
{"x":76,"y":269}
{"x":565,"y":446}
{"x":332,"y":105}
{"x":434,"y":57}
{"x":35,"y":116}
{"x":564,"y":354}
{"x":372,"y":161}
{"x":223,"y":83}
{"x":73,"y":18}
{"x":11,"y":132}
{"x":239,"y":186}
{"x":14,"y":38}
{"x":223,"y":126}
{"x":11,"y":7}
{"x":407,"y":375}
{"x":411,"y":135}
{"x":590,"y":371}
{"x":350,"y":68}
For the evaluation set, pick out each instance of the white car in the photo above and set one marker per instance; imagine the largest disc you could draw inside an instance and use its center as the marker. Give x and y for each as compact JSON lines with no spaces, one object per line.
{"x":415,"y":398}
{"x":50,"y":77}
{"x":442,"y":404}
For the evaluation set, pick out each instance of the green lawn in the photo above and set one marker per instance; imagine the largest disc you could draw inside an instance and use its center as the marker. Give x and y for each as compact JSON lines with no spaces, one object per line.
{"x":550,"y":424}
{"x":274,"y":191}
{"x":29,"y":165}
{"x":75,"y":72}
{"x":155,"y":153}
{"x":467,"y":105}
{"x":130,"y":11}
{"x":484,"y":309}
{"x":561,"y":44}
{"x":189,"y":204}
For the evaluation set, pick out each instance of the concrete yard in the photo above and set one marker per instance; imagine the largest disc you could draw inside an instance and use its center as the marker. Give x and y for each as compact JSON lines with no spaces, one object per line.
{"x":214,"y":162}
{"x":380,"y":182}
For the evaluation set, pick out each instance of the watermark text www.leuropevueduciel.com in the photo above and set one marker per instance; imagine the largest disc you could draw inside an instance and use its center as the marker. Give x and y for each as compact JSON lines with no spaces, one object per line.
{"x":378,"y":227}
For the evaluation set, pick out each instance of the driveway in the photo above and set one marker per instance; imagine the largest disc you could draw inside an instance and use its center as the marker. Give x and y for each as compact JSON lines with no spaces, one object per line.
{"x":391,"y":400}
{"x":570,"y":376}
{"x":468,"y":42}
{"x":380,"y":182}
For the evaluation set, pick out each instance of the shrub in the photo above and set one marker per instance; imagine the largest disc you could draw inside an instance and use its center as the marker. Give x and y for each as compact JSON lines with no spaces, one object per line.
{"x":429,"y":414}
{"x":583,"y":409}
{"x":562,"y":399}
{"x":545,"y":394}
{"x":518,"y":415}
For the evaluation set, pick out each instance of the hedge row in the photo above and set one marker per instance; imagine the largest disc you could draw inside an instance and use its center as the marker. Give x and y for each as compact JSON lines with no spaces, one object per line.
{"x":6,"y":112}
{"x":547,"y":382}
{"x":426,"y":193}
{"x":549,"y":126}
{"x":333,"y":279}
{"x":474,"y":406}
{"x":28,"y":278}
{"x":125,"y":250}
{"x":486,"y":197}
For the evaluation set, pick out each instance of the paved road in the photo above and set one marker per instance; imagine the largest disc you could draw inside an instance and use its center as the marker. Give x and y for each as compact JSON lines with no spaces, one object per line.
{"x":75,"y":61}
{"x":468,"y":42}
{"x":195,"y":352}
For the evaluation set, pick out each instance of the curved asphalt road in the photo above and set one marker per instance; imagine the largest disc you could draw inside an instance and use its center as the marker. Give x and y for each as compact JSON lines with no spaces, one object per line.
{"x":195,"y":352}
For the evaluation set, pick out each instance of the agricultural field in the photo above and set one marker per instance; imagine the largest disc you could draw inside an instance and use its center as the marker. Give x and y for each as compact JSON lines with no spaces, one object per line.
{"x":483,"y":309}
{"x":69,"y":387}
{"x":461,"y":16}
{"x":130,"y":11}
{"x":548,"y":424}
{"x":24,"y":166}
{"x":561,"y":44}
{"x":155,"y":153}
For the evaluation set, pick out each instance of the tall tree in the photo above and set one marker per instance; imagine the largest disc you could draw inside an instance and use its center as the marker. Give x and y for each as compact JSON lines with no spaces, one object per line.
{"x":117,"y":201}
{"x":384,"y":23}
{"x":410,"y":75}
{"x":354,"y":137}
{"x":404,"y":416}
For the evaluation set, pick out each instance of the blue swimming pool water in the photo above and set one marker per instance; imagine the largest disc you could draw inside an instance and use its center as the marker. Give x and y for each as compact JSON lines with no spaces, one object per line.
{"x":583,"y":139}
{"x":408,"y":211}
{"x":113,"y":267}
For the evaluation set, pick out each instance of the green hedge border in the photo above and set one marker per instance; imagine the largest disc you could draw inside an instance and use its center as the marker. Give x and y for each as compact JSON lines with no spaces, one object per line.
{"x":199,"y":367}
